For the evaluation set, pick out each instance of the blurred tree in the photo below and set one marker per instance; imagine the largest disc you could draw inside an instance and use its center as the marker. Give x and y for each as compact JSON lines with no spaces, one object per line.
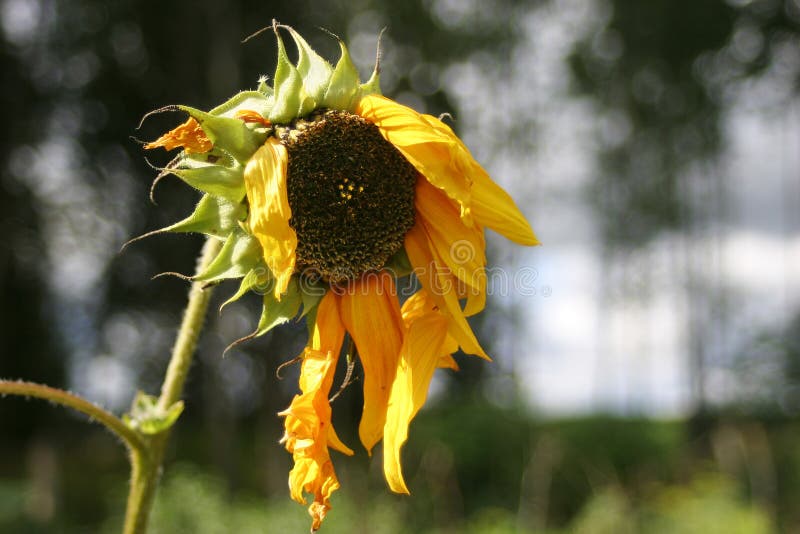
{"x":661,"y":74}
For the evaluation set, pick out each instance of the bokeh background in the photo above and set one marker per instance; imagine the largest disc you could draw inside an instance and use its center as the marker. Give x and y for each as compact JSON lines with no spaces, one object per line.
{"x":647,"y":357}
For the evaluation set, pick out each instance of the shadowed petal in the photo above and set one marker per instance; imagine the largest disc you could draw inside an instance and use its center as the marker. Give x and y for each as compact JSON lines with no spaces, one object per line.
{"x":371,"y":313}
{"x":440,"y":285}
{"x":461,"y":248}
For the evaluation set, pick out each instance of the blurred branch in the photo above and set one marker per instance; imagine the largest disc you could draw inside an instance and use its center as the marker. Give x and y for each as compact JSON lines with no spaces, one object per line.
{"x":130,"y":437}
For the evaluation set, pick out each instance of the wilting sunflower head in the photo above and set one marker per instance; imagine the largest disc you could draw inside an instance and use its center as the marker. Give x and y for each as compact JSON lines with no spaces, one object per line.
{"x":324,"y":193}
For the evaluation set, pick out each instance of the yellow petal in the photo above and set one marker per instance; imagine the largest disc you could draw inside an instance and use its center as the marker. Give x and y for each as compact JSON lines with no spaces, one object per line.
{"x":428,"y":149}
{"x":441,"y":286}
{"x":490,"y":205}
{"x":328,"y":332}
{"x":422,"y":303}
{"x":371,"y":313}
{"x":327,"y":336}
{"x":440,"y":156}
{"x":462,"y":249}
{"x":189,"y":136}
{"x":419,"y":357}
{"x":446,"y":360}
{"x":265,"y":183}
{"x":416,"y":306}
{"x":494,"y":208}
{"x":308,"y":428}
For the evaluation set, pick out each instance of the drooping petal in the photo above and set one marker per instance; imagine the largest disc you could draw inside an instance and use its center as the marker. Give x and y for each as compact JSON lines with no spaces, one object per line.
{"x":265,"y":182}
{"x":461,"y":248}
{"x":490,"y":205}
{"x":422,"y":350}
{"x":189,"y":136}
{"x":308,"y":428}
{"x":419,"y":305}
{"x":428,"y":149}
{"x":371,"y":313}
{"x":440,"y":284}
{"x":328,"y":335}
{"x":328,"y":332}
{"x":494,"y":208}
{"x":440,"y":156}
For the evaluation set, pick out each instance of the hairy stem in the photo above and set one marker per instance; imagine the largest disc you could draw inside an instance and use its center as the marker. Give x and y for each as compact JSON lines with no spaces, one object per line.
{"x":146,"y":463}
{"x":130,"y":437}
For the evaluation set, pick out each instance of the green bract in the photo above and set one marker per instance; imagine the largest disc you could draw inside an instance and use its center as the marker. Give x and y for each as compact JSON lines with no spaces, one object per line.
{"x":148,"y":418}
{"x":234,"y":131}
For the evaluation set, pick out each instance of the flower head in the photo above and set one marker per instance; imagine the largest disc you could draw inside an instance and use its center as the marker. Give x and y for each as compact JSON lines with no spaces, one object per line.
{"x":324,"y":193}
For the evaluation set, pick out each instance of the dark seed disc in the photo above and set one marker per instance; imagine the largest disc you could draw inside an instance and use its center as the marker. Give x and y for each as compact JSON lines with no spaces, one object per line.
{"x":351,"y":193}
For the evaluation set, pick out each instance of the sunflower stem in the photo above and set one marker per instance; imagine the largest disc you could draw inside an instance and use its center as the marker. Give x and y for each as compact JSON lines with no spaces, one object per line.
{"x":146,"y":463}
{"x":132,"y":439}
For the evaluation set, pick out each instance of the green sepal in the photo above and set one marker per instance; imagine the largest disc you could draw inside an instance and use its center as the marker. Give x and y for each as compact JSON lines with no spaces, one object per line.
{"x":213,"y":216}
{"x":311,"y":293}
{"x":291,"y":99}
{"x":146,"y":416}
{"x":277,"y":312}
{"x":256,"y":279}
{"x":344,"y":83}
{"x":231,"y":135}
{"x":218,"y":180}
{"x":315,"y":71}
{"x":240,"y":253}
{"x":371,"y":86}
{"x":246,"y":100}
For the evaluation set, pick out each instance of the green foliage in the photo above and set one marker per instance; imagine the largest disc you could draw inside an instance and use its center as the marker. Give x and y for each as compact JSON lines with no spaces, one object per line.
{"x":13,"y":495}
{"x":192,"y":501}
{"x":635,"y":477}
{"x":709,"y":504}
{"x":609,"y":512}
{"x":459,"y":438}
{"x":195,"y":502}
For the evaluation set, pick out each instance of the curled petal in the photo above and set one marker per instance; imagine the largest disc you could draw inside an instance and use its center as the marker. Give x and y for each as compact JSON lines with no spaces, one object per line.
{"x":189,"y":136}
{"x":265,"y":183}
{"x":248,"y":115}
{"x":308,"y":428}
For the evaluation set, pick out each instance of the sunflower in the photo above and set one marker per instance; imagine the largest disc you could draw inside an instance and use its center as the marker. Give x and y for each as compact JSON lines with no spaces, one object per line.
{"x":325,"y":193}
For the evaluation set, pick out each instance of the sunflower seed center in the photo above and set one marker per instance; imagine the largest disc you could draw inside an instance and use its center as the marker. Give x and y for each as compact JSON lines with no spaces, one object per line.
{"x":351,"y":193}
